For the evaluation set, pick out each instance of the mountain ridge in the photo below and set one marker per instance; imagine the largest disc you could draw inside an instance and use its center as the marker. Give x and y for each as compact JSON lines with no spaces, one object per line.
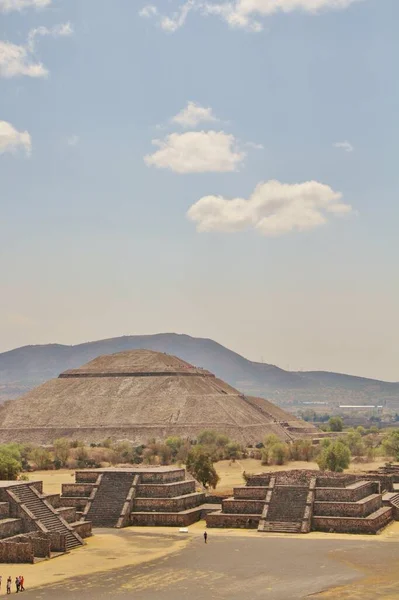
{"x":23,"y":368}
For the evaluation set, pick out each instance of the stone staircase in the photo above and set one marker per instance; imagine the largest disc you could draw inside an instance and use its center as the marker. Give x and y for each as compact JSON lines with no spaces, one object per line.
{"x":280,"y":527}
{"x":286,"y":510}
{"x":45,"y":513}
{"x":108,"y":502}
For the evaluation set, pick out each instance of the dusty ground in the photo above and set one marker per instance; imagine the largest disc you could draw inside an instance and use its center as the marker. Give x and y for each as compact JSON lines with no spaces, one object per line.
{"x":234,"y":565}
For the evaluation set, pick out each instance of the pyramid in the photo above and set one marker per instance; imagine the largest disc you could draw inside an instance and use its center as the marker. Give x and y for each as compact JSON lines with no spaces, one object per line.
{"x":139,"y":395}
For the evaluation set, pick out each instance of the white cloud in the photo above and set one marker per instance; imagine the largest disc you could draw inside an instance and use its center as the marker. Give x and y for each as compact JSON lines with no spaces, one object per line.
{"x":255,"y":146}
{"x":244,"y":13}
{"x":148,"y":11}
{"x":347,"y":146}
{"x":193,"y":114}
{"x":273,"y":209}
{"x":17,"y":60}
{"x":73,"y":140}
{"x":196,"y":152}
{"x":12,"y":140}
{"x":178,"y":18}
{"x":10,"y":5}
{"x":61,"y":30}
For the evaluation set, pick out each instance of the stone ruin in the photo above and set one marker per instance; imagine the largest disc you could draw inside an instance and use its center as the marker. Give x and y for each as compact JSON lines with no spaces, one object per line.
{"x":34,"y":525}
{"x":136,"y":496}
{"x":304,"y":501}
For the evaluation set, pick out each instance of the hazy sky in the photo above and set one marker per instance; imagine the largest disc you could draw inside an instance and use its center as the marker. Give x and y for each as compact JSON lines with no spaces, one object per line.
{"x":222,"y":169}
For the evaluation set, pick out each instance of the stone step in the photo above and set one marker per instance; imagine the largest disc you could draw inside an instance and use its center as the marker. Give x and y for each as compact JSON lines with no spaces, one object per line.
{"x":280,"y":526}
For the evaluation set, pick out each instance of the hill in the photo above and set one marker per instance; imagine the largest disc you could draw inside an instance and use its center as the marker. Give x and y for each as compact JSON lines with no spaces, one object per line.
{"x":138,"y":395}
{"x":24,"y":368}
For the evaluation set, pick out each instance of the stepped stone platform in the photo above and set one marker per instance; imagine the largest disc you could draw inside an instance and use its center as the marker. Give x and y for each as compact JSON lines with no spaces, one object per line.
{"x":139,"y":395}
{"x":33,"y":525}
{"x":302,"y":501}
{"x":135,"y":496}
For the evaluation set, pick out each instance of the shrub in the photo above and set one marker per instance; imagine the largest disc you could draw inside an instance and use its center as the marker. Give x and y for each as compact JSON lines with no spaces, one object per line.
{"x":200,"y":465}
{"x":334,"y":457}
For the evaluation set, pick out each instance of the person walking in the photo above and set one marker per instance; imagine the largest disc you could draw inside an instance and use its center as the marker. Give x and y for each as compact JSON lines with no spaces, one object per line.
{"x":1,"y":579}
{"x":21,"y":583}
{"x":205,"y":537}
{"x":17,"y":583}
{"x":9,"y":585}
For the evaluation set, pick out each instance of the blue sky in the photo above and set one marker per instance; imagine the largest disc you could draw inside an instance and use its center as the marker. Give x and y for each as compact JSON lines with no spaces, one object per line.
{"x":104,"y":233}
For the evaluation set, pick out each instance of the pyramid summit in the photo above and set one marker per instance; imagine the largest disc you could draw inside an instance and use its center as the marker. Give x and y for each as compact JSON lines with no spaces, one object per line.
{"x":137,"y":395}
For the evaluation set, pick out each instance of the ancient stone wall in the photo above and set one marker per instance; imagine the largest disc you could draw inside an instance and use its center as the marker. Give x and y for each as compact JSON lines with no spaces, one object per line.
{"x":179,"y":488}
{"x":77,"y":489}
{"x":78,"y":503}
{"x":57,"y":541}
{"x":164,"y":519}
{"x":167,"y":504}
{"x":233,"y":506}
{"x":10,"y":528}
{"x":16,"y":552}
{"x":335,"y":480}
{"x":82,"y":528}
{"x":348,"y":509}
{"x":163,"y":476}
{"x":240,"y":521}
{"x":346,"y":494}
{"x":250,"y":493}
{"x":68,"y":513}
{"x":352,"y":525}
{"x":53,"y":499}
{"x":86,"y":476}
{"x":4,"y":510}
{"x":41,"y":545}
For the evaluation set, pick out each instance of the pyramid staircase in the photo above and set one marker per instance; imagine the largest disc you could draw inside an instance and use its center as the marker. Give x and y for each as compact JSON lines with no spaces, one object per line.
{"x":288,"y":509}
{"x":106,"y":506}
{"x":43,"y":515}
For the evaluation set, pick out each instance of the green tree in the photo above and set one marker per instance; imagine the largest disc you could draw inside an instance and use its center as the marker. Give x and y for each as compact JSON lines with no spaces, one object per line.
{"x":207,"y":438}
{"x":200,"y":465}
{"x":124,"y":452}
{"x":42,"y":458}
{"x":10,"y":462}
{"x":61,"y":450}
{"x":174,"y":443}
{"x":335,"y":424}
{"x":355,"y":443}
{"x":390,"y":444}
{"x":334,"y":457}
{"x":302,"y":450}
{"x":279,"y":453}
{"x":233,"y":450}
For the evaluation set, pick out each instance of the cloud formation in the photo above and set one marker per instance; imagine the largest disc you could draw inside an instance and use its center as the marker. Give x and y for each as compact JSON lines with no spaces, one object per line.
{"x":273,"y":209}
{"x":19,"y":60}
{"x":62,"y":30}
{"x":194,"y":114}
{"x":242,"y":13}
{"x":11,"y":5}
{"x":12,"y":140}
{"x":347,"y":146}
{"x":196,"y":152}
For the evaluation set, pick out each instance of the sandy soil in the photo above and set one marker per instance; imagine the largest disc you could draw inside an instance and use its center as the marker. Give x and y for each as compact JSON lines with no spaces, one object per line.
{"x":233,"y":565}
{"x":106,"y":551}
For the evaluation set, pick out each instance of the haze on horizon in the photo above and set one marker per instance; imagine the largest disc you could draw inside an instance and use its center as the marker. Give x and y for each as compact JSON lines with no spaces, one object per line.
{"x":229,"y":174}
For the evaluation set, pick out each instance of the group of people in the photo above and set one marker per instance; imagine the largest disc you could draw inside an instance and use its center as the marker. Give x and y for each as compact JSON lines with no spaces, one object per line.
{"x":19,"y":584}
